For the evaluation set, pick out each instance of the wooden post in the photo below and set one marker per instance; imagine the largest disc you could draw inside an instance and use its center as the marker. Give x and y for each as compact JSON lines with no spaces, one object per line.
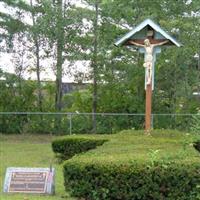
{"x":148,"y":108}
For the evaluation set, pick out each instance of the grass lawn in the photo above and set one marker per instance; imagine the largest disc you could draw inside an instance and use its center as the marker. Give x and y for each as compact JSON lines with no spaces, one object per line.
{"x":127,"y":146}
{"x":29,"y":151}
{"x":130,"y":146}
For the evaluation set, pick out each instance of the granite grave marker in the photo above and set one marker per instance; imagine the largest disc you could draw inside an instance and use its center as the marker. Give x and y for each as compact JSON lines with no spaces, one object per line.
{"x":30,"y":180}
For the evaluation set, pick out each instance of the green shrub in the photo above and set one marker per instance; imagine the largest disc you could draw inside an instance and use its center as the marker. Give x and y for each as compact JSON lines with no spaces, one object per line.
{"x":68,"y":147}
{"x":94,"y":181}
{"x":12,"y":124}
{"x":81,"y":124}
{"x":195,"y":126}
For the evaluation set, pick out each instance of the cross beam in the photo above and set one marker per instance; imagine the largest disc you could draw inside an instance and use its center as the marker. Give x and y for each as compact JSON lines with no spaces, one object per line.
{"x":141,"y":41}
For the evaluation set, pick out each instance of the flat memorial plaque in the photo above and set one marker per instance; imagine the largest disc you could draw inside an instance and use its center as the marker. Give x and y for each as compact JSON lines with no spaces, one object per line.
{"x":30,"y":180}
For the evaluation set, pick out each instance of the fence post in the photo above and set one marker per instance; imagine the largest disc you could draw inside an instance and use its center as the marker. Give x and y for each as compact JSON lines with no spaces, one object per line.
{"x":152,"y":121}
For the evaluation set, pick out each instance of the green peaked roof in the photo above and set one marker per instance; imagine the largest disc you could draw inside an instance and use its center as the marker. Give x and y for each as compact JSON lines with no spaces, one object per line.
{"x":147,"y":22}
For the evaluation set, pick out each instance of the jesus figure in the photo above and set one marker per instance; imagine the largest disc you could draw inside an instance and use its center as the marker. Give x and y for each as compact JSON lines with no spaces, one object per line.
{"x":148,"y":64}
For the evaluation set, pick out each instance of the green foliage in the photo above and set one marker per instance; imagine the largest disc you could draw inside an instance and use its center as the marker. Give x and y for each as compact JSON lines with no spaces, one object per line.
{"x":13,"y":98}
{"x":20,"y":95}
{"x":119,"y":71}
{"x":81,"y":124}
{"x":134,"y":166}
{"x":105,"y":123}
{"x":195,"y":127}
{"x":110,"y":181}
{"x":68,"y":147}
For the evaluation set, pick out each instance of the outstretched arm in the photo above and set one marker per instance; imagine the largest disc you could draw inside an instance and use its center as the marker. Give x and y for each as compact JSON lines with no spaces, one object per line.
{"x":135,"y":43}
{"x":161,"y":43}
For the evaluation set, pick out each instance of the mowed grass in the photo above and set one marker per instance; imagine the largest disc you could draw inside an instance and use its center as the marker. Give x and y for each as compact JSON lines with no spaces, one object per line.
{"x":134,"y":146}
{"x":29,"y":151}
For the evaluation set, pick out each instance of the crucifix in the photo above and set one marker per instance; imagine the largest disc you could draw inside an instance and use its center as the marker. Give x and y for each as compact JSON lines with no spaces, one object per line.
{"x":148,"y":37}
{"x":149,"y":45}
{"x":149,"y":49}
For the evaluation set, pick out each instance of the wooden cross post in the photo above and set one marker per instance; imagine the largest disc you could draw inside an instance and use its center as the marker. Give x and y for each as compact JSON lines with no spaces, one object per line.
{"x":149,"y":63}
{"x":148,"y":108}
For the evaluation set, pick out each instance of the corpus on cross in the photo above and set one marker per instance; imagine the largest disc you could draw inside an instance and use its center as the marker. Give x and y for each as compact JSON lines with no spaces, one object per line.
{"x":148,"y":62}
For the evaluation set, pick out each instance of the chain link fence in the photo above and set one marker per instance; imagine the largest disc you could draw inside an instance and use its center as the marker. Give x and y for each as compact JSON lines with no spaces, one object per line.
{"x":75,"y":123}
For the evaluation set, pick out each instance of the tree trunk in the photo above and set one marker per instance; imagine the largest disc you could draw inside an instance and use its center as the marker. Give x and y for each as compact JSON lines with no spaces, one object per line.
{"x":37,"y":54}
{"x":198,"y":74}
{"x":94,"y":66}
{"x":59,"y":61}
{"x":40,"y":97}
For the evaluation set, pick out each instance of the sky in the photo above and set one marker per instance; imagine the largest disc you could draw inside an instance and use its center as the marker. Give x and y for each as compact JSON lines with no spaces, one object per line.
{"x":47,"y":74}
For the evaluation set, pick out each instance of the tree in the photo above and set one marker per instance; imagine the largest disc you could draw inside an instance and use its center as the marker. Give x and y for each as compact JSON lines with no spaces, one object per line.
{"x":61,"y":31}
{"x":36,"y":41}
{"x":94,"y":64}
{"x":60,"y":48}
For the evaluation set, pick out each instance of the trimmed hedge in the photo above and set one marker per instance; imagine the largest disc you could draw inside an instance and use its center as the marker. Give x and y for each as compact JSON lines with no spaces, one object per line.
{"x":68,"y":147}
{"x":132,"y":181}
